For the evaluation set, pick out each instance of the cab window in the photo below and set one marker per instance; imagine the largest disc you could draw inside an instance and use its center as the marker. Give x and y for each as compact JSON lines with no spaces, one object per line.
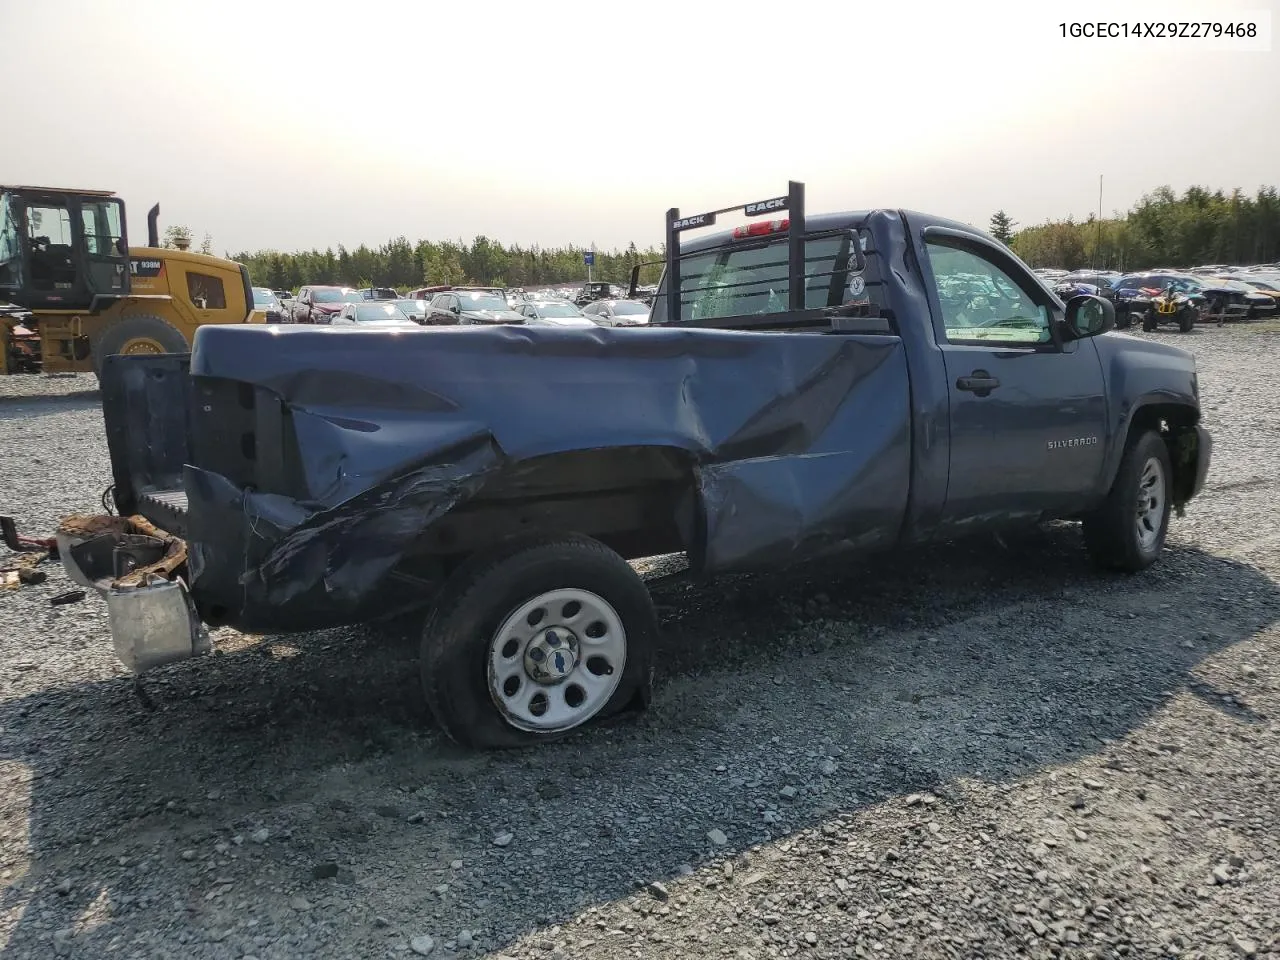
{"x":101,"y":223}
{"x":10,"y":248}
{"x":206,"y":292}
{"x":981,"y":302}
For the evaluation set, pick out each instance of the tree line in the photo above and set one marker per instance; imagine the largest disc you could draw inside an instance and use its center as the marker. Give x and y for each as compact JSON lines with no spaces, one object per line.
{"x":1161,"y":230}
{"x":404,"y":265}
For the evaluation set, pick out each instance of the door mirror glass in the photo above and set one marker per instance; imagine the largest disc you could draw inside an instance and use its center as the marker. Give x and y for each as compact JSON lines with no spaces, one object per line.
{"x":1088,"y":316}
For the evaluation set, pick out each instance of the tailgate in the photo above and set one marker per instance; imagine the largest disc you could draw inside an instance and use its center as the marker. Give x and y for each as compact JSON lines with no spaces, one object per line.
{"x":147,"y":403}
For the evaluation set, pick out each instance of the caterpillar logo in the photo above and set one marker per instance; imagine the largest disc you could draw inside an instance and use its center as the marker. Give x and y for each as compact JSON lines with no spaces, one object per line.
{"x":765,"y":206}
{"x":146,"y":268}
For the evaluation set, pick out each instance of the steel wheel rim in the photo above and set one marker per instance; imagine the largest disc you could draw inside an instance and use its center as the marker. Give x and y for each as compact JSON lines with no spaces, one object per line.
{"x":556,"y":661}
{"x":141,"y":345}
{"x":1151,"y":499}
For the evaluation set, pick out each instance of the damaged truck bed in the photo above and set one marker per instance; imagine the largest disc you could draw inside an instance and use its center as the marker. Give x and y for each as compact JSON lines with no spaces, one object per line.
{"x":816,"y":384}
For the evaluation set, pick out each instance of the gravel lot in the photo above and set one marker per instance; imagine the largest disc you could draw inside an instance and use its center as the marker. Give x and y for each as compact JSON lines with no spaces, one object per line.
{"x":982,"y":750}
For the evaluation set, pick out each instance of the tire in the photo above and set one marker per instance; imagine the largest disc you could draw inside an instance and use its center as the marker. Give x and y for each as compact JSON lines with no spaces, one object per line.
{"x":483,"y":690}
{"x":137,"y":335}
{"x":1112,"y":531}
{"x":1149,"y":323}
{"x":1187,"y":320}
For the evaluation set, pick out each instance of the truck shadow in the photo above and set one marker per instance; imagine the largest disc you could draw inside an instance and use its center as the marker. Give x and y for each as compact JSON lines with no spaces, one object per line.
{"x":31,"y":407}
{"x":965,"y":660}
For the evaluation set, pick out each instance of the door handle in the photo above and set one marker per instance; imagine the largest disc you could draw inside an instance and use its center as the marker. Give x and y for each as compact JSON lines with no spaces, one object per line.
{"x":979,"y":382}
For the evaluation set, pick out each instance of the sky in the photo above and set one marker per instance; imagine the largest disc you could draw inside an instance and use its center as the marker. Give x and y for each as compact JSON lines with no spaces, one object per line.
{"x":299,"y":125}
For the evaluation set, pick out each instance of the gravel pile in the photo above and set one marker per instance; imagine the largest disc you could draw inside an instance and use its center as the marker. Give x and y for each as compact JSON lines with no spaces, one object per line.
{"x":982,"y":750}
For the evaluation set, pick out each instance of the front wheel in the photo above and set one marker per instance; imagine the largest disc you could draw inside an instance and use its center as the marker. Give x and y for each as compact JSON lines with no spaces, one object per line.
{"x":1128,"y":530}
{"x":536,"y":638}
{"x":137,"y":335}
{"x":1187,"y":321}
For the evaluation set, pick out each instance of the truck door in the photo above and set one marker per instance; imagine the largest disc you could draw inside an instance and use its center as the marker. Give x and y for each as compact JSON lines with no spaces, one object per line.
{"x":1028,"y":413}
{"x":105,"y":245}
{"x":54,"y":274}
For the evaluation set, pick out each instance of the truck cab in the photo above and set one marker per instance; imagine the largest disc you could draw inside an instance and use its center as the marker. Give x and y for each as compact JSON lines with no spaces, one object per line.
{"x":62,"y":249}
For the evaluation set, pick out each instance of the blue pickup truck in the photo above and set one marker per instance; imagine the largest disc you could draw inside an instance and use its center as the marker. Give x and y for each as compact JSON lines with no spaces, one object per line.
{"x":807,"y":384}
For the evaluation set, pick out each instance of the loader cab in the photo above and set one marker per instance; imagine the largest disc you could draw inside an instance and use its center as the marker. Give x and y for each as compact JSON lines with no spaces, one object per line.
{"x":62,"y":249}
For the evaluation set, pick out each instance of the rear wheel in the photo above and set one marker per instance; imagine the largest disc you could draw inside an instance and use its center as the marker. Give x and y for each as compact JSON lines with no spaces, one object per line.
{"x":534,"y":640}
{"x":1149,"y":322}
{"x":1127,"y":531}
{"x":137,"y":335}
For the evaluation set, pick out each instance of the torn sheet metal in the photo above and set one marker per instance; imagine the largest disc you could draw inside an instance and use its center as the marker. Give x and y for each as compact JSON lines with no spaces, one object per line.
{"x":798,"y":440}
{"x":795,"y":443}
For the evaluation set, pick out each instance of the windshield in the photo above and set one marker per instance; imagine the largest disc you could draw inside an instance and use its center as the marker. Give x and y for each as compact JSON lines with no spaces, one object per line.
{"x":263,"y":298}
{"x":482,"y":301}
{"x":379,"y":311}
{"x":742,"y":280}
{"x":629,"y":308}
{"x":558,"y":310}
{"x":334,"y":295}
{"x":418,"y":306}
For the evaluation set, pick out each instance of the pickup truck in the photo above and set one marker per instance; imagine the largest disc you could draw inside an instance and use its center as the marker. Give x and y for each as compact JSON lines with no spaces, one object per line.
{"x":806,"y":385}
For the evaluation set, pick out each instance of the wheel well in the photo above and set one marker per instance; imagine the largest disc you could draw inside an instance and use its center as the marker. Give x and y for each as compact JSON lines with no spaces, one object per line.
{"x":640,"y":501}
{"x":1175,"y":422}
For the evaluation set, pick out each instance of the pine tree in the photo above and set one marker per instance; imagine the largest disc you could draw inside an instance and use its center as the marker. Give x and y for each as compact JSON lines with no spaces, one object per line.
{"x":1002,"y":227}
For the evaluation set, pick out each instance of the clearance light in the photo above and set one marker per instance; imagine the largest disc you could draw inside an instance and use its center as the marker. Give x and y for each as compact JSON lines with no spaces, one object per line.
{"x":762,"y":229}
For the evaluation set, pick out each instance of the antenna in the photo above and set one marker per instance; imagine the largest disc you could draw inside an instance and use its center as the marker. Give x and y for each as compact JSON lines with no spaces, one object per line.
{"x":1098,"y":242}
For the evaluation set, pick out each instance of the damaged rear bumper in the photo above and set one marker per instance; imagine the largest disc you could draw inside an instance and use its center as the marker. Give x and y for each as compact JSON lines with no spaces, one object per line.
{"x":135,"y":566}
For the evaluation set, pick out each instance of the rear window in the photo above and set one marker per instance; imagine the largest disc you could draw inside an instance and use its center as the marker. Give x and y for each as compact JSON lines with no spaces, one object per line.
{"x":751,"y":279}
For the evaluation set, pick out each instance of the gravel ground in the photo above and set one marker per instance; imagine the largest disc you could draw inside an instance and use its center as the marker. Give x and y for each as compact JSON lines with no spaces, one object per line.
{"x":982,"y":750}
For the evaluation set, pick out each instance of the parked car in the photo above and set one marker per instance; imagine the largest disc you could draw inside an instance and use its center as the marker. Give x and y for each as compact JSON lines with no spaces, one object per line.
{"x":597,"y":290}
{"x":1259,"y":303}
{"x":554,"y":313}
{"x":1270,"y":288}
{"x":372,"y":313}
{"x":498,"y":482}
{"x":415,"y":310}
{"x":264,"y":299}
{"x":379,"y":293}
{"x":618,"y":313}
{"x":463,"y":306}
{"x":321,"y":303}
{"x":1093,"y":284}
{"x":426,"y":293}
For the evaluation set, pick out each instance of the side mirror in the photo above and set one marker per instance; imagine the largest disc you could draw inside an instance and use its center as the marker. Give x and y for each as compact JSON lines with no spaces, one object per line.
{"x":455,"y":309}
{"x":1088,"y":316}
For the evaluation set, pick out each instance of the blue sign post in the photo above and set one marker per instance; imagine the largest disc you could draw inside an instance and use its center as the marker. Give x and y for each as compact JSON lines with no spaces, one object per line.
{"x":589,"y":258}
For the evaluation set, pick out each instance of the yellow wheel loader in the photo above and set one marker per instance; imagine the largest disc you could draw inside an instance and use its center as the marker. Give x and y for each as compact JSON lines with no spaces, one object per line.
{"x":65,"y":260}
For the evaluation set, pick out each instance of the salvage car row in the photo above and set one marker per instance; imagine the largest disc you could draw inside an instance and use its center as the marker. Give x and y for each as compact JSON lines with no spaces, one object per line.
{"x":1184,"y":297}
{"x":451,"y":306}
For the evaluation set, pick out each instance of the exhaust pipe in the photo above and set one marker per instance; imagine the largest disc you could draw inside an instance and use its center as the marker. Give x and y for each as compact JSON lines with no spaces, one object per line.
{"x":153,"y":230}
